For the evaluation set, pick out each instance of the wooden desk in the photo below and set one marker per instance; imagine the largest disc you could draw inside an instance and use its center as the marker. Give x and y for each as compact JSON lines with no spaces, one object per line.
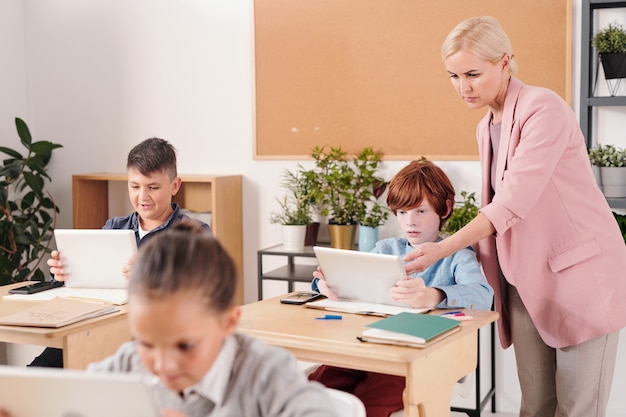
{"x":82,"y":343}
{"x":430,"y":373}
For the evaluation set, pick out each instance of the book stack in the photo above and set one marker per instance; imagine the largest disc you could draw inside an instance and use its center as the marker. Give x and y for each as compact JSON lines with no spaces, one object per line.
{"x":409,"y":329}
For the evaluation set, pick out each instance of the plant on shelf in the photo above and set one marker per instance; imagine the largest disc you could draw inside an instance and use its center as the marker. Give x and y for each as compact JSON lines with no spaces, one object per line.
{"x":464,"y":211}
{"x":610,"y":40}
{"x":610,"y":44}
{"x":611,"y":161}
{"x":374,"y":215}
{"x":27,"y":212}
{"x":296,"y":207}
{"x":607,"y":156}
{"x":344,"y":187}
{"x":296,"y":210}
{"x":345,"y":184}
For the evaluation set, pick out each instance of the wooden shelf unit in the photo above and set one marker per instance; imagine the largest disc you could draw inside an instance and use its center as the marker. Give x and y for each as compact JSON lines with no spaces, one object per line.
{"x":218,"y":194}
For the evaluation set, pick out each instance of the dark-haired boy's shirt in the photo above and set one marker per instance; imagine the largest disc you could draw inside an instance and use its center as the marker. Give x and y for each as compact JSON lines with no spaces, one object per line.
{"x":131,"y":222}
{"x":53,"y":357}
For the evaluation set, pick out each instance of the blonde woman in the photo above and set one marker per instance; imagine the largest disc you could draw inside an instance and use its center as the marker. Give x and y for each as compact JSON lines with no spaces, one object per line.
{"x":548,"y":242}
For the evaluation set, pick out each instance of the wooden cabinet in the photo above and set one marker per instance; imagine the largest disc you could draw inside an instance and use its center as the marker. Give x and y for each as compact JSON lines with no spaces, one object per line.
{"x":219,"y":195}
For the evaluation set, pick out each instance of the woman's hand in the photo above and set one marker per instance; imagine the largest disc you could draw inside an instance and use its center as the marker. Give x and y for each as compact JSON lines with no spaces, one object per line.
{"x":322,"y":286}
{"x":56,"y":268}
{"x":422,"y":257}
{"x":415,"y":293}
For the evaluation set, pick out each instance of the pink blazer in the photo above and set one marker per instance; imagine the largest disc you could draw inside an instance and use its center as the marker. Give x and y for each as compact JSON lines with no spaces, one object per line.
{"x":556,"y":238}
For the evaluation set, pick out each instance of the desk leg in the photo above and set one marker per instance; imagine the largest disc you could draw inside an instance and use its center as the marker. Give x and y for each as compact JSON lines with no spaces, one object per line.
{"x":84,"y":347}
{"x":431,"y":379}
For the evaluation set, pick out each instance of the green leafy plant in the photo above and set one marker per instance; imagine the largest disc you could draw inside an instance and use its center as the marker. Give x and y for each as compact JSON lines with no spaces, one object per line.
{"x":27,"y":212}
{"x":344,"y":185}
{"x":297,"y":206}
{"x":607,"y":156}
{"x":610,"y":40}
{"x":374,"y":214}
{"x":464,"y":211}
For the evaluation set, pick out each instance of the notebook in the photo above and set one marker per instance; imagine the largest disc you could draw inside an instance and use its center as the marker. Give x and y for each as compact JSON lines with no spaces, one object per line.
{"x":363,"y":276}
{"x":37,"y":392}
{"x":57,"y":312}
{"x":408,"y":329}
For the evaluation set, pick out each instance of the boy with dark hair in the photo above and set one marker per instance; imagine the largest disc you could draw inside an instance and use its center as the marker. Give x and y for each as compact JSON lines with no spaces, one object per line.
{"x":152,"y":183}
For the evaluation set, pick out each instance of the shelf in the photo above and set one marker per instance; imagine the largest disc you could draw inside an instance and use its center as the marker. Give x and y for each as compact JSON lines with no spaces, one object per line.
{"x":607,"y":4}
{"x":606,"y":101}
{"x":619,"y":203}
{"x":279,"y":250}
{"x":590,"y":66}
{"x":301,"y":273}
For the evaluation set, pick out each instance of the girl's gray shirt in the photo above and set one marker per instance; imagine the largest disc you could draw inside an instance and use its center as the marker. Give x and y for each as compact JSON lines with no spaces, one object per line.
{"x":249,"y":378}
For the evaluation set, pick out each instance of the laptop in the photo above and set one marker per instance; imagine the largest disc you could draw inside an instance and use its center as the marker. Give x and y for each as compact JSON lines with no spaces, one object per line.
{"x":362,"y":276}
{"x":50,"y":392}
{"x":94,"y":258}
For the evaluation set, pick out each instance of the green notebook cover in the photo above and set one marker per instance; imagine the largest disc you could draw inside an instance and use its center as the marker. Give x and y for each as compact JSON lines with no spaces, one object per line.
{"x":424,"y":326}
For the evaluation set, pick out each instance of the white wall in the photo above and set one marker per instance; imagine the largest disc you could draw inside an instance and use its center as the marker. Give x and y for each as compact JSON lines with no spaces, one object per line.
{"x":100,"y":76}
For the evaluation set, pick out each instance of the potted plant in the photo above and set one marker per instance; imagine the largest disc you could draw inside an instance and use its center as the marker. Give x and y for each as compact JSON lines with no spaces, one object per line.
{"x":296,"y":208}
{"x":342,"y":187}
{"x":27,"y":211}
{"x":612,"y":163}
{"x":464,"y":211}
{"x":610,"y":44}
{"x":372,"y":216}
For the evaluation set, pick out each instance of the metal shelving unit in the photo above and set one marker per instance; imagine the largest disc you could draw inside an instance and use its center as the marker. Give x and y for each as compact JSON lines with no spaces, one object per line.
{"x":590,"y":65}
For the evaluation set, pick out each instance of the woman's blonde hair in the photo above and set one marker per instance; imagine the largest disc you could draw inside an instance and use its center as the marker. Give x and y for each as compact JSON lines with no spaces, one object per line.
{"x":483,"y":36}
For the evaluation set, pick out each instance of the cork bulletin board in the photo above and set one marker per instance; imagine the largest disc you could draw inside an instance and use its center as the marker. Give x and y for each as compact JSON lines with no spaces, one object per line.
{"x":356,"y":73}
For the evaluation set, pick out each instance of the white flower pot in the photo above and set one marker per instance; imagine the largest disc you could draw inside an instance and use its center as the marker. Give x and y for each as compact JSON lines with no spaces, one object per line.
{"x":613,"y":181}
{"x":293,"y":237}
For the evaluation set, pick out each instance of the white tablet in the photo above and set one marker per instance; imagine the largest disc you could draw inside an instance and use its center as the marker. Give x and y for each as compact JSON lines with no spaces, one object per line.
{"x":53,"y":392}
{"x":362,"y":276}
{"x":94,"y":258}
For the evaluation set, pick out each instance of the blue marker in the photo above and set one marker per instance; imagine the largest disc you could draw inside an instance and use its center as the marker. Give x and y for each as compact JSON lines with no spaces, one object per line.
{"x":451,"y":312}
{"x":329,"y":317}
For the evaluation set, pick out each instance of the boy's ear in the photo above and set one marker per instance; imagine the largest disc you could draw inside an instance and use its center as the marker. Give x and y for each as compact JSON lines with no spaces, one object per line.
{"x":449,"y":204}
{"x":176,"y":186}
